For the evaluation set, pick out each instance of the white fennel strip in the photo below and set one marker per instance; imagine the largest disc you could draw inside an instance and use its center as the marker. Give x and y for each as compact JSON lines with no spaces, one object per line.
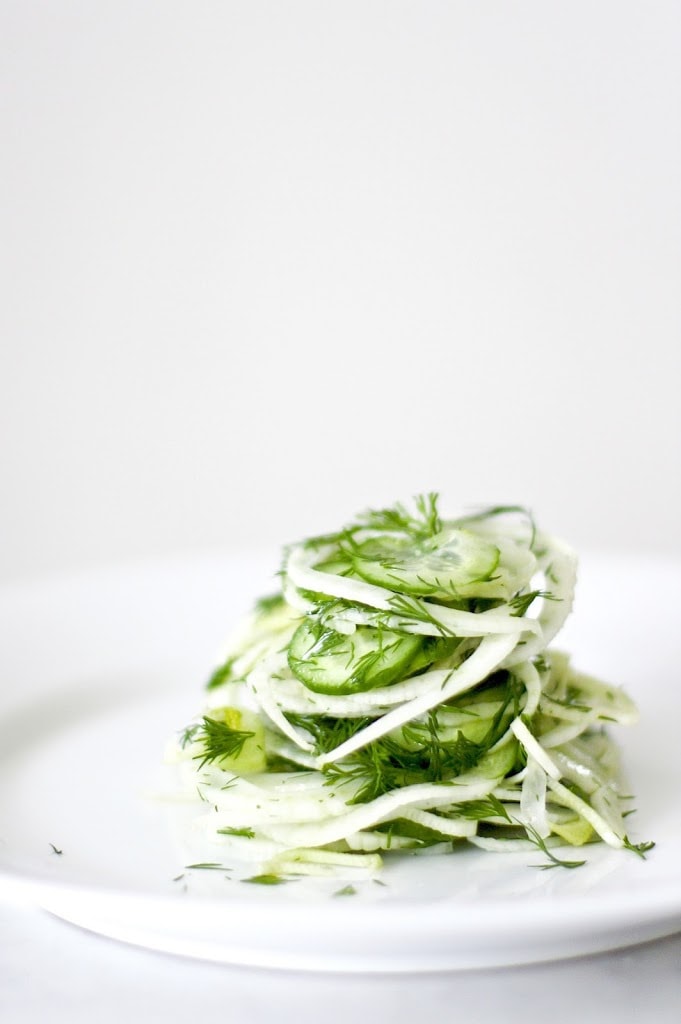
{"x":456,"y":828}
{"x":586,"y":811}
{"x":323,"y":863}
{"x":561,"y":575}
{"x":260,"y":684}
{"x":299,"y":570}
{"x":533,"y":799}
{"x":534,"y":748}
{"x":579,"y":765}
{"x":383,"y":808}
{"x":434,"y":620}
{"x":529,"y":677}
{"x":427,"y":619}
{"x":489,"y":654}
{"x":566,"y":732}
{"x":293,"y":696}
{"x":295,"y":599}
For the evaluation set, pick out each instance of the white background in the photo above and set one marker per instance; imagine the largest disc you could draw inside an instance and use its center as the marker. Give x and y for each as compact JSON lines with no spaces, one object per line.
{"x":266,"y":263}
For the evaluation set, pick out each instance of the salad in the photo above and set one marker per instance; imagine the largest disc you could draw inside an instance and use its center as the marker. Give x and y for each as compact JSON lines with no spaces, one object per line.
{"x":397,"y":694}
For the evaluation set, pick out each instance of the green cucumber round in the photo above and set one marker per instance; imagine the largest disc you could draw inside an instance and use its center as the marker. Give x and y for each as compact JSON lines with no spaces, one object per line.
{"x":330,"y":662}
{"x":451,"y":564}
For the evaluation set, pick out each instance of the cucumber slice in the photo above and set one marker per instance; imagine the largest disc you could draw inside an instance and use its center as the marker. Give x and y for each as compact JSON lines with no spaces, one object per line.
{"x":451,"y":564}
{"x":433,"y":649}
{"x":330,"y":662}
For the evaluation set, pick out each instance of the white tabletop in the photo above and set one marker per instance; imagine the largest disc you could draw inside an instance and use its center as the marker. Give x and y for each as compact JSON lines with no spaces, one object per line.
{"x":53,"y":971}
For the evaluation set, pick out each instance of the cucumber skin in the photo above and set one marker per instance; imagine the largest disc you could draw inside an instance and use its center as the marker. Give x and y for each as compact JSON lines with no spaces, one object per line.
{"x":411,"y":568}
{"x":416,"y":654}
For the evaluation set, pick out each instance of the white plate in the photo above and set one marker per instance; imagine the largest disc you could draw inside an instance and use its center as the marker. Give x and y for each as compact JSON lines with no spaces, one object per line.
{"x":98,"y":670}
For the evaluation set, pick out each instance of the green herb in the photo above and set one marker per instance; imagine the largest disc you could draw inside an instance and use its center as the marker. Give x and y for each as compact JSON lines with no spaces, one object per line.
{"x":265,"y":879}
{"x":521,"y":602}
{"x":268,"y":604}
{"x":555,"y":862}
{"x":222,"y":674}
{"x":425,"y":522}
{"x":219,"y":740}
{"x":478,"y":810}
{"x":327,"y":733}
{"x":641,"y":849}
{"x":422,"y":755}
{"x":410,"y":609}
{"x":247,"y":833}
{"x":207,"y":866}
{"x":347,"y":890}
{"x":569,"y":701}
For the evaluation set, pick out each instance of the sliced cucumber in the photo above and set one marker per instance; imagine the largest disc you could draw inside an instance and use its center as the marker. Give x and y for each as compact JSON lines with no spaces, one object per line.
{"x":330,"y":662}
{"x":433,"y":649}
{"x":451,"y":564}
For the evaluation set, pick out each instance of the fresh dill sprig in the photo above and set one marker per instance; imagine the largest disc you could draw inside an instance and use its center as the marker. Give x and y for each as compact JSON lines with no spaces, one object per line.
{"x":569,"y":701}
{"x":266,"y":879}
{"x":327,"y":733}
{"x":412,"y":610}
{"x":641,"y":849}
{"x":421,"y":754}
{"x":425,"y":522}
{"x":268,"y":603}
{"x":521,"y":602}
{"x":222,"y":674}
{"x":554,"y":862}
{"x":219,"y":740}
{"x":207,"y":866}
{"x":347,"y":890}
{"x":426,"y":506}
{"x":477,"y":810}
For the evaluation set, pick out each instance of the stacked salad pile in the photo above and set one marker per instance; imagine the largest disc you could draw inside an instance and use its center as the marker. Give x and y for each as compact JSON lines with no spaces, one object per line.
{"x":398,"y":694}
